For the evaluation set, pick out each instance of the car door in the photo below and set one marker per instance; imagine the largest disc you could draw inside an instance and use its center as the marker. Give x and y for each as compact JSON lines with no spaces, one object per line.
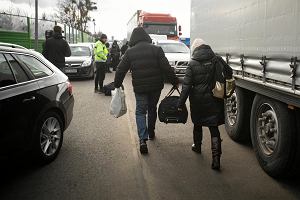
{"x":17,"y":103}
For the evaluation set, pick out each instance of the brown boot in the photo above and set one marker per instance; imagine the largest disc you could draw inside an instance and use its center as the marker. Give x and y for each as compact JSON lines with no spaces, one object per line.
{"x":216,"y":152}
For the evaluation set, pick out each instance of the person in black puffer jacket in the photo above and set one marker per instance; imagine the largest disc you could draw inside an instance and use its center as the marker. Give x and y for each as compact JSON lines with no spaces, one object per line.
{"x":148,"y":65}
{"x":56,"y":49}
{"x":206,"y":110}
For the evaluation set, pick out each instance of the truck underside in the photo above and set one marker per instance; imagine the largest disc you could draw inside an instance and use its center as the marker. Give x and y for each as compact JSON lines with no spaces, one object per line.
{"x":259,"y":40}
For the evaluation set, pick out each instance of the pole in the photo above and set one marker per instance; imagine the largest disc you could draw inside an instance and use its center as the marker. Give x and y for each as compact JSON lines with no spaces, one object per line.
{"x":36,"y":26}
{"x":94,"y":26}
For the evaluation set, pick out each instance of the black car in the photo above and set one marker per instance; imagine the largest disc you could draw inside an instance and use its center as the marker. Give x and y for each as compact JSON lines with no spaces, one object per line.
{"x":36,"y":104}
{"x":81,"y":63}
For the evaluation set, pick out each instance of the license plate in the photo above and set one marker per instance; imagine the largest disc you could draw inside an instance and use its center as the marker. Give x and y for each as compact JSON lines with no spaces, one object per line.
{"x":71,"y":71}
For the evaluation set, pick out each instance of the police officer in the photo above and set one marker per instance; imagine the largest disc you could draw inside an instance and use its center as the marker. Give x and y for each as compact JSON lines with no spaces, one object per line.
{"x":101,"y":53}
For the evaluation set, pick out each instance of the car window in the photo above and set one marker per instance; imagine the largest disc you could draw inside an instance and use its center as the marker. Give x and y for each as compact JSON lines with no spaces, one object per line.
{"x":38,"y":69}
{"x":17,"y":69}
{"x":6,"y":75}
{"x":80,"y":51}
{"x":174,"y":47}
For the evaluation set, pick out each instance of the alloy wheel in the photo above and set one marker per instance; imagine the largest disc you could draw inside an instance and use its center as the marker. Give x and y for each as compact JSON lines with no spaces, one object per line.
{"x":231,"y":109}
{"x":50,"y":136}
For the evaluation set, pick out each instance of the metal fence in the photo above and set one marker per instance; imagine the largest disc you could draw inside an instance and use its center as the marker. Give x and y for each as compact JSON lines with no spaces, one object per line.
{"x":20,"y":30}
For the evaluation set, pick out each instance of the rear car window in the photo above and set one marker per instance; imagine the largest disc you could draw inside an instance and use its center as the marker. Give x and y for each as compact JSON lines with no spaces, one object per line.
{"x":17,"y":69}
{"x":6,"y":75}
{"x":38,"y":69}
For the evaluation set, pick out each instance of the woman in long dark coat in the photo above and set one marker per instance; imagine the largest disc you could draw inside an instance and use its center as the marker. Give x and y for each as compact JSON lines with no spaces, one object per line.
{"x":206,"y":110}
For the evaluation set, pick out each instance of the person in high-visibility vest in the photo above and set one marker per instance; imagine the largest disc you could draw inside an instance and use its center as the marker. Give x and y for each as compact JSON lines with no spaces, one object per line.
{"x":100,"y":52}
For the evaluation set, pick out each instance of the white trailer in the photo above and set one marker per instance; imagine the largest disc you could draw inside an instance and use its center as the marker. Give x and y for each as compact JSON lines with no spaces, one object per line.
{"x":261,"y":42}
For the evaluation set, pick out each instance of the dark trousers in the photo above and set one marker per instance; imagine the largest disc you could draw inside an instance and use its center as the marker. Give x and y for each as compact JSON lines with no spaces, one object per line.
{"x":198,"y":133}
{"x":100,"y":75}
{"x":146,"y":103}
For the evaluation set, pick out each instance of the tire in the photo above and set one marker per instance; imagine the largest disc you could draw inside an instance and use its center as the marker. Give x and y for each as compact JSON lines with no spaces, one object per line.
{"x":44,"y":136}
{"x":237,"y":115}
{"x":275,"y":148}
{"x":295,"y":172}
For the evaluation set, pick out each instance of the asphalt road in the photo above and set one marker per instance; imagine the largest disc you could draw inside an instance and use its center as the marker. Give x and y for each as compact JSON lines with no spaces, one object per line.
{"x":100,"y":160}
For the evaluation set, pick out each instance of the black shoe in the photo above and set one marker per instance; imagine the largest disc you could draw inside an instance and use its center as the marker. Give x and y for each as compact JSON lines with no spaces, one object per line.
{"x":143,"y":147}
{"x":96,"y":90}
{"x":196,"y":149}
{"x":100,"y":91}
{"x":151,"y":135}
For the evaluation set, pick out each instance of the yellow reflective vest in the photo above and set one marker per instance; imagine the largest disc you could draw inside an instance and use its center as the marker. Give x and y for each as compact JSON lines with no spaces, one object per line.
{"x":100,"y":52}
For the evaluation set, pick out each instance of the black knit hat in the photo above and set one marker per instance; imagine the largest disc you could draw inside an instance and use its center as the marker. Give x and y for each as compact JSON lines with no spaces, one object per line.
{"x":103,"y":36}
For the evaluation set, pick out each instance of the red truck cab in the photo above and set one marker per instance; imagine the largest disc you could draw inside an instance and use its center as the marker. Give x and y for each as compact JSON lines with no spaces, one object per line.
{"x":159,"y":24}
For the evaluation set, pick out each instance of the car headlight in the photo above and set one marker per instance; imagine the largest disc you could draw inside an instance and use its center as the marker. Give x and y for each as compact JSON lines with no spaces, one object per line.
{"x":86,"y":63}
{"x":172,"y":63}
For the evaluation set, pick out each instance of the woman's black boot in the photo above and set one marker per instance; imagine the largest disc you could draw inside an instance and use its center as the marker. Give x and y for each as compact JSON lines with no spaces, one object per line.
{"x":216,"y":152}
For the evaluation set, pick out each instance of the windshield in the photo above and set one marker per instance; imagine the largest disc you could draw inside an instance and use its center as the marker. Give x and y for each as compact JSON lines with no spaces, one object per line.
{"x":161,"y":29}
{"x":174,"y":47}
{"x":80,"y":51}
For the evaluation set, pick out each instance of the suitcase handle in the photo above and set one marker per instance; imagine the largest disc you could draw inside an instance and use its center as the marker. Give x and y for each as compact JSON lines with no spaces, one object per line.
{"x":173,"y":90}
{"x":171,"y":119}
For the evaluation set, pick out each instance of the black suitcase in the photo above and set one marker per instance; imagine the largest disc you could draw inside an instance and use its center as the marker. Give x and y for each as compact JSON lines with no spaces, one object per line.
{"x":108,"y":88}
{"x":168,"y":111}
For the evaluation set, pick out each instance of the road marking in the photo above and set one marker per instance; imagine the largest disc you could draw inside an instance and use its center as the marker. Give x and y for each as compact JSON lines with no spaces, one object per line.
{"x":140,"y":174}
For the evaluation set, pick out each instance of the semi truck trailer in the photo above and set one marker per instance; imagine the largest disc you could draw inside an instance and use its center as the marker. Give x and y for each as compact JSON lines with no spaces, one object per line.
{"x":260,"y":40}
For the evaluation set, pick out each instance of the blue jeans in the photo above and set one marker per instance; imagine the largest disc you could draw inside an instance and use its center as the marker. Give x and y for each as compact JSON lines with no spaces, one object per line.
{"x":146,"y":108}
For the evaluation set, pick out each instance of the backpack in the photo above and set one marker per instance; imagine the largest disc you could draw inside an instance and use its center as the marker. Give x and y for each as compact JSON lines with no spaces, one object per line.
{"x":168,"y":109}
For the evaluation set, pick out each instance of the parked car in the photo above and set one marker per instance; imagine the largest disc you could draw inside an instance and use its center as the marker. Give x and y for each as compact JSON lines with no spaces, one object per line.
{"x":92,"y":44}
{"x":81,"y":63}
{"x":177,"y":53}
{"x":12,"y":45}
{"x":36,"y":104}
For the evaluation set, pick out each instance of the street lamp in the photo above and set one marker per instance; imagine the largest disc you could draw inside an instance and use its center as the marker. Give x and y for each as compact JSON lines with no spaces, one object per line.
{"x":94,"y":21}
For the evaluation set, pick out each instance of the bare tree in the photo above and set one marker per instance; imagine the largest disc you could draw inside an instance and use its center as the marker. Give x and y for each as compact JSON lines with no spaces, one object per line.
{"x":76,"y":12}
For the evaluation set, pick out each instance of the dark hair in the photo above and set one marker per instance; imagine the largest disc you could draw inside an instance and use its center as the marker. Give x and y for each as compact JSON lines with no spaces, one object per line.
{"x":57,"y":29}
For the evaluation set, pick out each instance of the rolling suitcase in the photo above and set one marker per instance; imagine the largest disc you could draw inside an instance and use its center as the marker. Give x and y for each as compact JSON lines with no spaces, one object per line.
{"x":168,"y":111}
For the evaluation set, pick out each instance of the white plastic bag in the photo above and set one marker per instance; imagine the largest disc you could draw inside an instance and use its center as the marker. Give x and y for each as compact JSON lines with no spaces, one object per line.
{"x":118,"y":106}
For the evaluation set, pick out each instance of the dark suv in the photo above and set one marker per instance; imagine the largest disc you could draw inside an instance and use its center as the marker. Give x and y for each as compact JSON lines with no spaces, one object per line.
{"x":36,"y":104}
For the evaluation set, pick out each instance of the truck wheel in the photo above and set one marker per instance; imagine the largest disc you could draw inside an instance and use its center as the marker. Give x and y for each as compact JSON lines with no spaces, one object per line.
{"x":273,"y":136}
{"x":237,"y":115}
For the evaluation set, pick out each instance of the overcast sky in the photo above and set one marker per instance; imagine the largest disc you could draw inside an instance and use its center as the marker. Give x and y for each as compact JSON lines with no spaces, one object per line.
{"x":113,"y":15}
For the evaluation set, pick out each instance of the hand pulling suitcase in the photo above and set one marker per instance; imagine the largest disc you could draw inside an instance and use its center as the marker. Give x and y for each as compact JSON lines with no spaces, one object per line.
{"x":108,"y":88}
{"x":168,"y":111}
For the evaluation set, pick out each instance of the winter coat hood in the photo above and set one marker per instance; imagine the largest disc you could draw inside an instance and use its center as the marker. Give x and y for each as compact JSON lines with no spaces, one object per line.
{"x":203,"y":53}
{"x":139,"y":35}
{"x":58,"y":36}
